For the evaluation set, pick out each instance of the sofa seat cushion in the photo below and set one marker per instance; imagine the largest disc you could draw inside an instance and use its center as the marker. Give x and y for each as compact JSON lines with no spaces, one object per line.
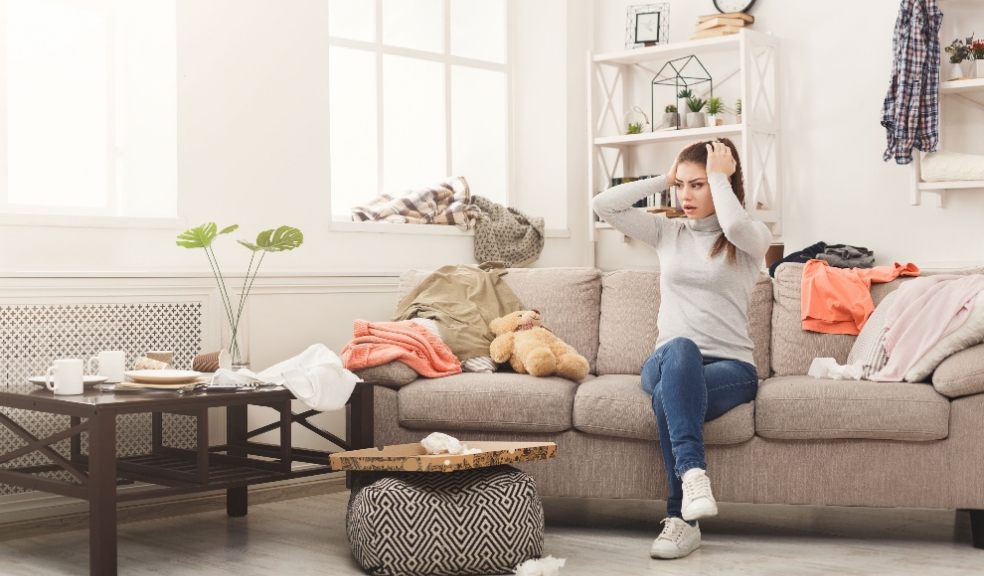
{"x":496,"y":402}
{"x":616,"y":405}
{"x":806,"y":408}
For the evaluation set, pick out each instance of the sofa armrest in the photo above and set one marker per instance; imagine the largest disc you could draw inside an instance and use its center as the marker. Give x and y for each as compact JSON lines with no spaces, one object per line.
{"x":393,"y":374}
{"x":961,"y":374}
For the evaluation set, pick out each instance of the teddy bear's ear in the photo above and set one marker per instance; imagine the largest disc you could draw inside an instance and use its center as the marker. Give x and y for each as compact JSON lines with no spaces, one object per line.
{"x":496,"y":325}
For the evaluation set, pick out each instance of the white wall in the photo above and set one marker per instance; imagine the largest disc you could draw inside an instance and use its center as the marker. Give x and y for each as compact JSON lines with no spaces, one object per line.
{"x":253,"y":149}
{"x":835,"y":64}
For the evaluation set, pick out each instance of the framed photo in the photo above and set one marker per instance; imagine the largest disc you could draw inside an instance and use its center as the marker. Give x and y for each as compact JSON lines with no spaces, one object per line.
{"x":647,"y":25}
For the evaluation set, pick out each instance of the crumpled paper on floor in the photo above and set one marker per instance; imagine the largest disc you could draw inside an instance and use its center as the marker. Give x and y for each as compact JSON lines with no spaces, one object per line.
{"x":548,"y":566}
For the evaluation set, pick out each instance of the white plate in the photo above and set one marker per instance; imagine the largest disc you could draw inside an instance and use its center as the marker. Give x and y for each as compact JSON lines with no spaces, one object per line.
{"x":86,"y":380}
{"x":163,"y":376}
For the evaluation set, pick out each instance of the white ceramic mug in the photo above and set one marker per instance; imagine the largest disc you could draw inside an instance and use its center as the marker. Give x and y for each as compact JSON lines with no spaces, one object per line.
{"x":111,"y":364}
{"x":65,"y":376}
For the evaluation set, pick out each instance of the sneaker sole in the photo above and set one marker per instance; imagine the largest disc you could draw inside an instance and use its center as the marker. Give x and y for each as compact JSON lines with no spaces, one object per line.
{"x":671,"y":555}
{"x":698,"y":510}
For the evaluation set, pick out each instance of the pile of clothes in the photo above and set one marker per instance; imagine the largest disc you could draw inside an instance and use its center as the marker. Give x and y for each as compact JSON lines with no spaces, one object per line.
{"x":440,"y":327}
{"x":837,"y":255}
{"x":911,"y":332}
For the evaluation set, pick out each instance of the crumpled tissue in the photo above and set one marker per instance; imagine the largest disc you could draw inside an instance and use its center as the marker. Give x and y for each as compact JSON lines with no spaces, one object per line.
{"x":829,"y":368}
{"x":440,"y":443}
{"x":316,"y":377}
{"x":548,"y":566}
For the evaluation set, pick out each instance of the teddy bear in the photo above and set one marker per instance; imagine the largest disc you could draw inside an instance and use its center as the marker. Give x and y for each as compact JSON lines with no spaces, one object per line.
{"x":529,"y":347}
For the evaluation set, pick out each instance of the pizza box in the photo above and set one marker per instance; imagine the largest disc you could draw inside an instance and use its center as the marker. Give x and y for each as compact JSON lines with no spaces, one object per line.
{"x":413,"y":457}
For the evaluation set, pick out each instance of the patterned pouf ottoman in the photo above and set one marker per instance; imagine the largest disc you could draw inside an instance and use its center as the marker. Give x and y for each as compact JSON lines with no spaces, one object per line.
{"x":480,"y":521}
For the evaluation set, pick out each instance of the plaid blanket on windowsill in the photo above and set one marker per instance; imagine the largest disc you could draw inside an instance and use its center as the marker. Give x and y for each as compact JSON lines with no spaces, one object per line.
{"x":446,"y":203}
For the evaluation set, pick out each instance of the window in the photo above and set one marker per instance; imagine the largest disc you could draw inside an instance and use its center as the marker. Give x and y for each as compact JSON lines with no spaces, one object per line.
{"x":418,"y":90}
{"x":88,"y":105}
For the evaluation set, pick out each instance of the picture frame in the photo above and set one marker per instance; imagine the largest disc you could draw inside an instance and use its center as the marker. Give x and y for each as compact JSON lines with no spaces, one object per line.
{"x":647,"y":25}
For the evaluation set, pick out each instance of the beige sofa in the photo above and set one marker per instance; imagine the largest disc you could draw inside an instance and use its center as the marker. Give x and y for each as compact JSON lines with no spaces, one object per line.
{"x":802,"y":441}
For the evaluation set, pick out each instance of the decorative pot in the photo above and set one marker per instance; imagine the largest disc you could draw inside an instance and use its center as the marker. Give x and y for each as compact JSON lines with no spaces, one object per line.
{"x":715,"y":120}
{"x":979,"y":65}
{"x":958,"y":71}
{"x":695,"y":120}
{"x":671,"y":120}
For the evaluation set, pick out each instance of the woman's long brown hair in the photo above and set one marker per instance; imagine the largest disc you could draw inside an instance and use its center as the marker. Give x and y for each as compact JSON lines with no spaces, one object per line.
{"x":697,"y":153}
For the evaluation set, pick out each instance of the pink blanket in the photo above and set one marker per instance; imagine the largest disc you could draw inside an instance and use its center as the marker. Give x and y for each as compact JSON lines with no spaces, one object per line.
{"x":376,"y":343}
{"x":924,"y":311}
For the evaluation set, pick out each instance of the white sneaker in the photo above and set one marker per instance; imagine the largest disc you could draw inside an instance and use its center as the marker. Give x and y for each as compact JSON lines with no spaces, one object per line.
{"x":698,"y":502}
{"x":676,"y":540}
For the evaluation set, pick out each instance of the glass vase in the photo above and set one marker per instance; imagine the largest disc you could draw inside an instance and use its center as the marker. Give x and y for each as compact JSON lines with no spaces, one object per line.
{"x":237,"y":350}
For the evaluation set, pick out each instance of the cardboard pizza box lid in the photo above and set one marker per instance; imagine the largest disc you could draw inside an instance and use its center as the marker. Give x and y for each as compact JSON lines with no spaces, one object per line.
{"x":413,"y":457}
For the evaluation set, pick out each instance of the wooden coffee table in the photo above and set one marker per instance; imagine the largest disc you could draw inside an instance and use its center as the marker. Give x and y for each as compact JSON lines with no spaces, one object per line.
{"x":166,"y":470}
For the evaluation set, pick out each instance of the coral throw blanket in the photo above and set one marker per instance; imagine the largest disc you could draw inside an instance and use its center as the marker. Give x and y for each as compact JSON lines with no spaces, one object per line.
{"x":376,"y":343}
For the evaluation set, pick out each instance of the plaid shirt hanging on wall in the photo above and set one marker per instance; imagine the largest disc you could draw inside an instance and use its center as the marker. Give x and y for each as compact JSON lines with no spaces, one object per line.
{"x":911,"y":110}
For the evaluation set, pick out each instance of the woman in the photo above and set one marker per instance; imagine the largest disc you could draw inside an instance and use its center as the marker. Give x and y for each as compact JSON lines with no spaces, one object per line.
{"x":702,"y":365}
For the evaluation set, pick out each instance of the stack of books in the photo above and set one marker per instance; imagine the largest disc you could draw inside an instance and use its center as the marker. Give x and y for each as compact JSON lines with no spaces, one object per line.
{"x":721,"y":24}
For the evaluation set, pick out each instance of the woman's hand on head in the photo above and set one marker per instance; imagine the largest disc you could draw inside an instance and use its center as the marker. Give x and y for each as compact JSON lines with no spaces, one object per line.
{"x":671,"y":174}
{"x":720,"y":159}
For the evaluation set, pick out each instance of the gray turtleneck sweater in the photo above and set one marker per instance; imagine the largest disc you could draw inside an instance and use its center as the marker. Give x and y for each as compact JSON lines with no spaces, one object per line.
{"x":702,"y":298}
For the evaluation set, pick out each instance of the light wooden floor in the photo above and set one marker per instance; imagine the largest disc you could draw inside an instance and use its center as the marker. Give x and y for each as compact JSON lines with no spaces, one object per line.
{"x":307,"y":536}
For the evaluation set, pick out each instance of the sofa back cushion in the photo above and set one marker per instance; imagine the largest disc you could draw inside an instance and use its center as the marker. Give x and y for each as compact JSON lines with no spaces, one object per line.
{"x":569,"y":299}
{"x":629,"y":307}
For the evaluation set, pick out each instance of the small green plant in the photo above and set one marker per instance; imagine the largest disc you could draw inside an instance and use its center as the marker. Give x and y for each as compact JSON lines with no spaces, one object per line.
{"x":685,"y":94}
{"x":695,"y":104}
{"x":671,"y":109}
{"x":714,"y":105}
{"x":738,"y":106}
{"x":280,"y":239}
{"x":959,"y":50}
{"x":634,"y":128}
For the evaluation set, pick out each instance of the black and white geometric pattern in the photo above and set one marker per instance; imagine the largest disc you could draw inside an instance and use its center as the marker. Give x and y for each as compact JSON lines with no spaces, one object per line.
{"x":482,"y":521}
{"x":31,"y":336}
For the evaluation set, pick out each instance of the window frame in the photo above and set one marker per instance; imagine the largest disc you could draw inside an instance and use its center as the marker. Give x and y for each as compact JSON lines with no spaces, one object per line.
{"x":344,"y":222}
{"x":106,"y":216}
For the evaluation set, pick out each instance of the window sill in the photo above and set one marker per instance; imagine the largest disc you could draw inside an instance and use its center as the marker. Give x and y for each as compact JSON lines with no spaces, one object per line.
{"x":419,"y":229}
{"x":89,"y":221}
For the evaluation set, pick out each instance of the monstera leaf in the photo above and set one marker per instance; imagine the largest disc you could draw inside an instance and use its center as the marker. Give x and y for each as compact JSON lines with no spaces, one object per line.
{"x":279,"y":239}
{"x":202,"y":236}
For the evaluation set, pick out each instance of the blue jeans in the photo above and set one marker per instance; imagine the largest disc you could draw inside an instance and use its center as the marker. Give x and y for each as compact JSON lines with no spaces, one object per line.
{"x":688,"y":390}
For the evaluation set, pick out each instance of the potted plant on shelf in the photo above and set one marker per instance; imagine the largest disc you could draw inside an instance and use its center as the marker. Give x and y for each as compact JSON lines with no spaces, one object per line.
{"x":671,"y":118}
{"x":959,"y":52}
{"x":738,"y":111}
{"x":684,"y":95}
{"x":282,"y":239}
{"x":714,"y":108}
{"x":635,"y":121}
{"x":977,"y":49}
{"x":695,"y":118}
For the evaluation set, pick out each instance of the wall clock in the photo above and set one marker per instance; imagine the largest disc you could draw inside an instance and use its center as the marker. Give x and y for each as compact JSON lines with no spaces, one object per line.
{"x":729,"y":6}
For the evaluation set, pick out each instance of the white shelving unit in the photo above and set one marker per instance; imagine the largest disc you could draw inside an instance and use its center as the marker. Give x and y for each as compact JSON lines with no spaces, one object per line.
{"x":964,"y":89}
{"x":611,"y":152}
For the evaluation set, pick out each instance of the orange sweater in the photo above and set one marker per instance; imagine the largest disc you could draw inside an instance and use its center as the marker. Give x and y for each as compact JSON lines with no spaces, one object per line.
{"x":377,"y":343}
{"x":838,"y":300}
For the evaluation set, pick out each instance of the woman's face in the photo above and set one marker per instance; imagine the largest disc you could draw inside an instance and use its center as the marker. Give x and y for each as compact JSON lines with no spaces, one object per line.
{"x":693,"y":191}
